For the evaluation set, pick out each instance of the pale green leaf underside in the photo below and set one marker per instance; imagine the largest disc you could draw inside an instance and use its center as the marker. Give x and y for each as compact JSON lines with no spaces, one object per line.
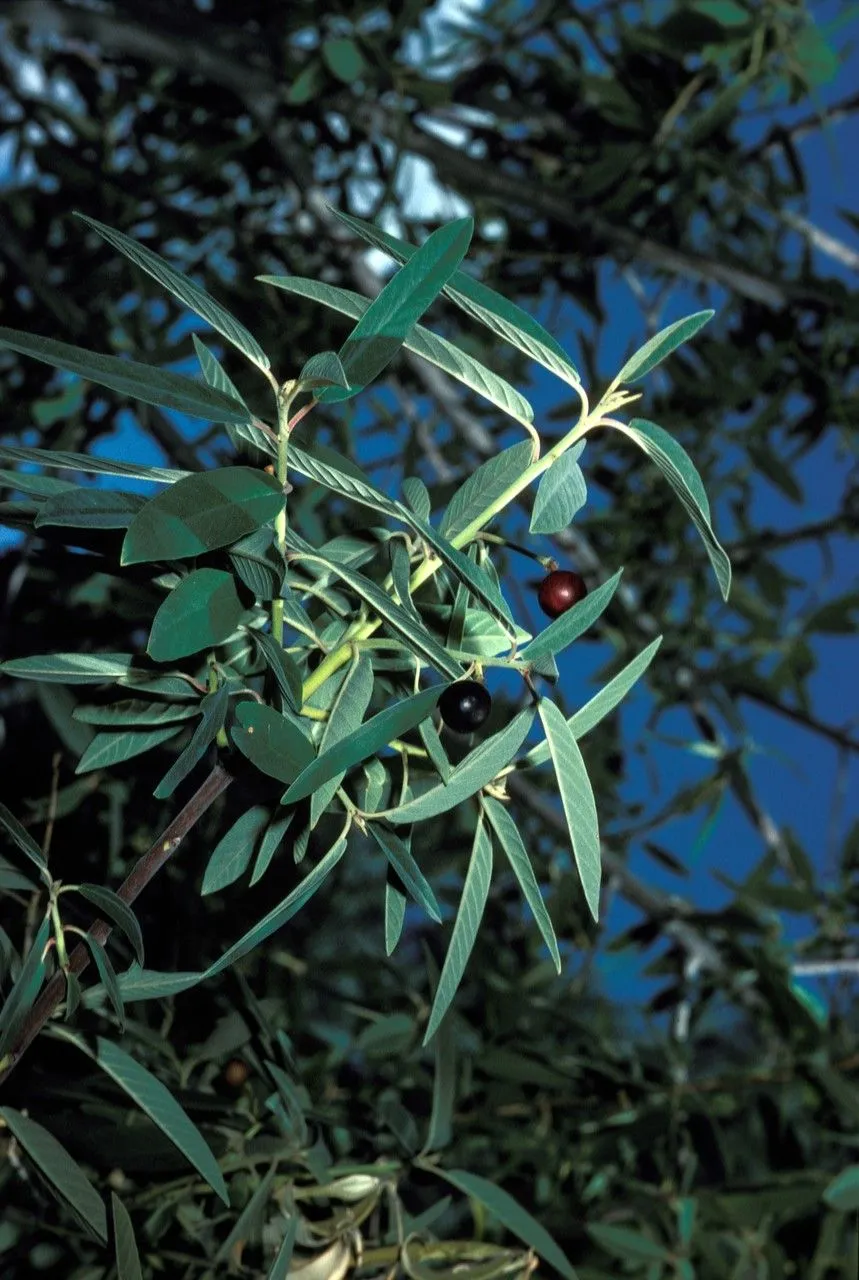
{"x":661,"y":345}
{"x":511,"y":842}
{"x":577,"y":798}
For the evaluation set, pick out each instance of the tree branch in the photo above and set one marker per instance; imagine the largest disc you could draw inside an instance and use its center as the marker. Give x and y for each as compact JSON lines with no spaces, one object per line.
{"x":144,"y":870}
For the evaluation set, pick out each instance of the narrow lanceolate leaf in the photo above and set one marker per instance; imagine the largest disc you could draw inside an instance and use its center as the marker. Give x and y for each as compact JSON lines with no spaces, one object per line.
{"x":62,"y":1172}
{"x":395,"y":915}
{"x":417,"y":496}
{"x":201,"y":612}
{"x":440,"y":1130}
{"x":185,"y":290}
{"x":577,"y":798}
{"x":131,"y":713}
{"x":284,"y":911}
{"x":125,"y":1245}
{"x":570,"y":625}
{"x":359,"y":745}
{"x":70,"y":668}
{"x":661,"y":345}
{"x":271,"y":741}
{"x":403,"y":625}
{"x":280,"y":1268}
{"x":601,"y":704}
{"x":680,"y":472}
{"x":517,"y":855}
{"x":158,"y":1103}
{"x":90,"y":509}
{"x":107,"y":749}
{"x":217,"y":377}
{"x":85,"y":462}
{"x":118,"y":912}
{"x":107,"y":977}
{"x":474,"y":576}
{"x":381,"y":331}
{"x":284,"y":669}
{"x":562,"y":492}
{"x":510,"y":1213}
{"x":201,"y":513}
{"x":27,"y":986}
{"x":128,"y":377}
{"x":423,"y":342}
{"x":472,"y":904}
{"x":232,"y":855}
{"x":484,"y":487}
{"x":400,"y":858}
{"x":504,"y":318}
{"x":271,"y":842}
{"x":20,"y":836}
{"x":401,"y":572}
{"x":247,"y":1225}
{"x":477,"y":770}
{"x":213,"y":709}
{"x":38,"y":485}
{"x":345,"y":717}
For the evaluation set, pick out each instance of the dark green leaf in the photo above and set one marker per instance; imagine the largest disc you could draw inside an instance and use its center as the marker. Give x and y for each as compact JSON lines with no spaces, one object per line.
{"x":631,"y":1246}
{"x":107,"y":977}
{"x":345,"y":717}
{"x":282,"y":667}
{"x":232,"y":855}
{"x":201,"y":513}
{"x":842,"y":1193}
{"x":130,"y":712}
{"x":323,"y":370}
{"x":213,"y":710}
{"x":344,"y":59}
{"x":125,"y":1245}
{"x":90,"y":509}
{"x":107,"y":749}
{"x":280,"y":1268}
{"x":201,"y":612}
{"x":381,"y":331}
{"x":395,"y":914}
{"x":86,"y":462}
{"x":440,"y":1130}
{"x":271,"y":842}
{"x":18,"y":1002}
{"x":71,"y":668}
{"x":401,"y":860}
{"x":118,"y":912}
{"x":364,"y":742}
{"x":63,"y":1173}
{"x":271,"y":741}
{"x":25,"y":842}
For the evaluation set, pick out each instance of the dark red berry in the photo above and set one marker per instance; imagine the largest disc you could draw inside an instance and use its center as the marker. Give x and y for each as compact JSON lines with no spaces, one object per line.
{"x":559,"y":591}
{"x":465,"y":706}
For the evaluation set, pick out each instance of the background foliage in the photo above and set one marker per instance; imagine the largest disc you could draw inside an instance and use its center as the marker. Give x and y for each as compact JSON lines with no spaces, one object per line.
{"x":610,"y":154}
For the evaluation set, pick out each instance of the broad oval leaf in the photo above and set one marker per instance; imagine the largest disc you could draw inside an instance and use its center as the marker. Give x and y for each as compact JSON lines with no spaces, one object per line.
{"x":601,"y":704}
{"x":577,"y":798}
{"x":201,"y":612}
{"x":517,"y":855}
{"x":401,"y":859}
{"x":271,"y":741}
{"x":472,"y":904}
{"x":570,"y":625}
{"x":661,"y":345}
{"x":484,"y":487}
{"x":680,"y":472}
{"x":561,"y":493}
{"x":185,"y":290}
{"x":380,"y":332}
{"x":477,"y":770}
{"x":510,"y":1213}
{"x":63,"y":1173}
{"x":502,"y":317}
{"x":201,"y":513}
{"x":232,"y":855}
{"x":422,"y":342}
{"x":129,"y":377}
{"x":372,"y":737}
{"x":108,"y":749}
{"x":158,"y":1103}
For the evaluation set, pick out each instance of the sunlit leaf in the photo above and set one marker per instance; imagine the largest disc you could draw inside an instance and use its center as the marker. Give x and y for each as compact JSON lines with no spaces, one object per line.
{"x":577,"y":798}
{"x":484,"y":487}
{"x":661,"y":345}
{"x":70,"y":668}
{"x":572,"y":624}
{"x":517,"y":855}
{"x":472,"y":904}
{"x":403,"y":863}
{"x":561,"y":493}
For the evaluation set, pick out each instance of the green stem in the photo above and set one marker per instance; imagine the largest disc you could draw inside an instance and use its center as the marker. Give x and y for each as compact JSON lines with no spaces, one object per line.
{"x":284,"y":399}
{"x":340,"y":656}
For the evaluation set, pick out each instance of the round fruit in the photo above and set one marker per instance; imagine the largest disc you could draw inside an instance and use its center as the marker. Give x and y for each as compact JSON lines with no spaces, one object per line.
{"x":465,"y":706}
{"x":236,"y":1073}
{"x":559,"y":591}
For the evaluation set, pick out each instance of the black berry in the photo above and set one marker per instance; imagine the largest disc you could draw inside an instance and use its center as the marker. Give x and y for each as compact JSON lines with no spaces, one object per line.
{"x":465,"y":706}
{"x":559,"y":591}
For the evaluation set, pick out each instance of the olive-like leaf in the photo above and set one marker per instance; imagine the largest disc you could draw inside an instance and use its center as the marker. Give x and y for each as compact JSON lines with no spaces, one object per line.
{"x":577,"y":798}
{"x":661,"y":345}
{"x":517,"y":855}
{"x":272,"y":741}
{"x":107,"y":749}
{"x":201,"y":612}
{"x":561,"y":493}
{"x":232,"y":855}
{"x":62,"y":1172}
{"x":118,"y":912}
{"x":570,"y":625}
{"x":402,"y":861}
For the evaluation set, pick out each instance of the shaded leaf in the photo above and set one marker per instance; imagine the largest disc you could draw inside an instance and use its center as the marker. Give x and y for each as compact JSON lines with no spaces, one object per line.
{"x":118,"y":912}
{"x":517,"y":855}
{"x":18,"y":1002}
{"x":271,"y":842}
{"x":21,"y":837}
{"x":271,"y":741}
{"x":63,"y":1173}
{"x":631,"y":1246}
{"x":282,"y":667}
{"x":201,"y":612}
{"x":213,"y":709}
{"x":232,"y":855}
{"x":90,"y":509}
{"x":403,"y":863}
{"x":345,"y":717}
{"x":86,"y":462}
{"x":124,"y":1243}
{"x":107,"y":749}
